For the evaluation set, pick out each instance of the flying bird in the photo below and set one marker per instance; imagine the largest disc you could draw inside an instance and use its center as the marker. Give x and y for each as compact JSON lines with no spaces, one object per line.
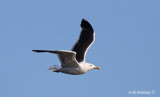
{"x":73,"y":62}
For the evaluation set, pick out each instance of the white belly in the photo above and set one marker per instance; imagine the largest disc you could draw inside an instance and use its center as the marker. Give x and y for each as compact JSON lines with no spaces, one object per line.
{"x":71,"y":70}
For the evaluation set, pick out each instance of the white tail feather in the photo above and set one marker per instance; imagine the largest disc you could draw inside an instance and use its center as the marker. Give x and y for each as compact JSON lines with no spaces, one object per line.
{"x":55,"y":68}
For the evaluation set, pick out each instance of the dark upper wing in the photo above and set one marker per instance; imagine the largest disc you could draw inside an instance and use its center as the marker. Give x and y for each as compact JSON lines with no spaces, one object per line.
{"x":86,"y":38}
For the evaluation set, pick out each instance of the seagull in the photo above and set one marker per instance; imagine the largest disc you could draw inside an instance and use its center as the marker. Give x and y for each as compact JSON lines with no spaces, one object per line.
{"x":73,"y":62}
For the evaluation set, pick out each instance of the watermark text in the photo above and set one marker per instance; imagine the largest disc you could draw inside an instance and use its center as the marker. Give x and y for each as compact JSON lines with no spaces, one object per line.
{"x":141,"y":92}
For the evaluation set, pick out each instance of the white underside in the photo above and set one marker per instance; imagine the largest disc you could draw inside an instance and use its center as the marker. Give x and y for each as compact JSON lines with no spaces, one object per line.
{"x":83,"y":68}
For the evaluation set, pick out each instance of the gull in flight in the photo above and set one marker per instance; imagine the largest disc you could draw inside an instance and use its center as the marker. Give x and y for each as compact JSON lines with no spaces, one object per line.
{"x":73,"y":62}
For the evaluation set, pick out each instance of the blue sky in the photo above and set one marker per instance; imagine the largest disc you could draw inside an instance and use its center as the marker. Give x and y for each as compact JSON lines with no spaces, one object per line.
{"x":127,"y":47}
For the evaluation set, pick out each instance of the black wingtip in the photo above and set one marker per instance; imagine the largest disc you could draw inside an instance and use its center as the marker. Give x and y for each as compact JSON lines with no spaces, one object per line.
{"x":41,"y":51}
{"x":84,"y":20}
{"x":34,"y":50}
{"x":37,"y":50}
{"x":86,"y":25}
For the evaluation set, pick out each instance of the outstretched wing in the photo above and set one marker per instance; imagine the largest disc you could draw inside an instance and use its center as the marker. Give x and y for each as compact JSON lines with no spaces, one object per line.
{"x":85,"y":40}
{"x":67,"y":58}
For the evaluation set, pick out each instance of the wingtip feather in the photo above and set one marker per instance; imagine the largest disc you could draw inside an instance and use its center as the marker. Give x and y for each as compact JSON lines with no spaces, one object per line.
{"x":86,"y":25}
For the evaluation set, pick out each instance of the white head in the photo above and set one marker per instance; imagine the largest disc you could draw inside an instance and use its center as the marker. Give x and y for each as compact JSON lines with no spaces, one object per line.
{"x":88,"y":66}
{"x":93,"y":66}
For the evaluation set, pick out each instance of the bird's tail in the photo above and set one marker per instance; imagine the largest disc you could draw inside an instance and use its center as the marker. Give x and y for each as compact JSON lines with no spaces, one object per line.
{"x":55,"y":68}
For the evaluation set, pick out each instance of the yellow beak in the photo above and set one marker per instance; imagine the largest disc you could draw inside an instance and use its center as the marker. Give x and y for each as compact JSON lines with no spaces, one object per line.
{"x":96,"y":68}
